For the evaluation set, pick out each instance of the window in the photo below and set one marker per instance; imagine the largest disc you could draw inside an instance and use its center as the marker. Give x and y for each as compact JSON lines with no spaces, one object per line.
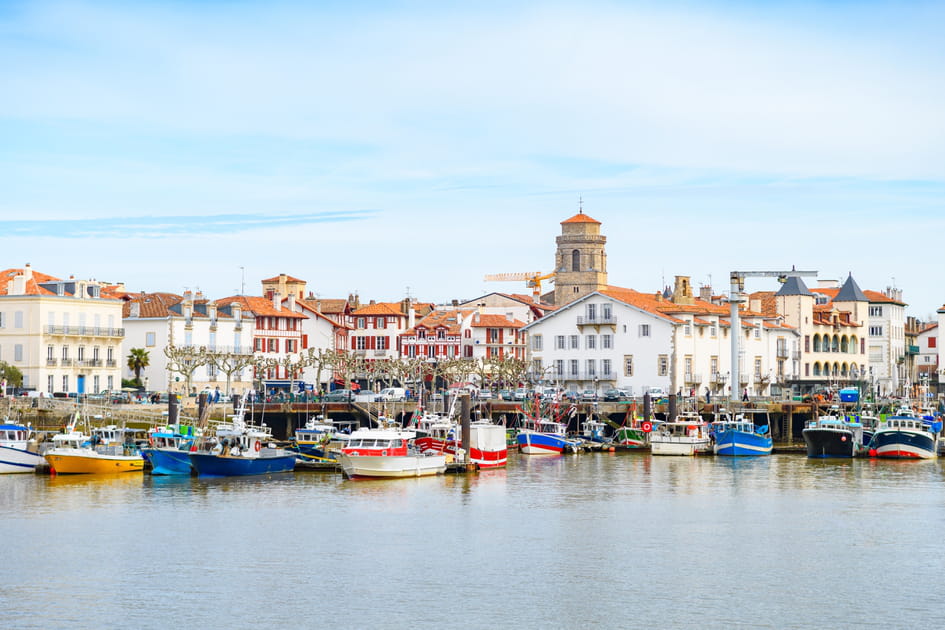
{"x":3,"y":321}
{"x":575,"y":342}
{"x":65,"y":353}
{"x":361,"y":323}
{"x":628,"y":365}
{"x":382,"y":343}
{"x":876,"y":311}
{"x":712,"y":331}
{"x":50,"y":383}
{"x":592,"y":312}
{"x":606,"y":311}
{"x":49,"y":353}
{"x":559,"y":342}
{"x":257,"y":345}
{"x":591,"y":367}
{"x":591,"y":342}
{"x":687,"y":366}
{"x":188,"y":338}
{"x":421,"y":333}
{"x":606,"y":342}
{"x":574,"y":367}
{"x":559,"y":367}
{"x":290,"y":345}
{"x":876,"y":331}
{"x":18,"y":319}
{"x":18,"y":352}
{"x":575,"y":261}
{"x":687,"y":329}
{"x":360,"y":343}
{"x":806,"y":343}
{"x":757,"y":368}
{"x":758,"y":332}
{"x":80,"y":354}
{"x":605,"y":367}
{"x":662,"y":365}
{"x":714,"y":367}
{"x":536,"y":342}
{"x":644,"y":330}
{"x":65,"y":383}
{"x":96,"y":383}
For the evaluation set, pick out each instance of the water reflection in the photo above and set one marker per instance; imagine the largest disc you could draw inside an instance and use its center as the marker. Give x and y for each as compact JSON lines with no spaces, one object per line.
{"x":607,"y":540}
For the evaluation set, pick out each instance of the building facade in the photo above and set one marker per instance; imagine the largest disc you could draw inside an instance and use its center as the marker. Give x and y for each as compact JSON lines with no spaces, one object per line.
{"x":63,"y":335}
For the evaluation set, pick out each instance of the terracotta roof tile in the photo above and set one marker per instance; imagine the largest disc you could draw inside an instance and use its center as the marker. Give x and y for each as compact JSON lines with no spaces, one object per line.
{"x":488,"y":320}
{"x":259,"y":306}
{"x":580,"y":217}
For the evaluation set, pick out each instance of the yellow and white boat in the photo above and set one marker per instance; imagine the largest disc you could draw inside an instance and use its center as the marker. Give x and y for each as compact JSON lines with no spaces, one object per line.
{"x":73,"y":453}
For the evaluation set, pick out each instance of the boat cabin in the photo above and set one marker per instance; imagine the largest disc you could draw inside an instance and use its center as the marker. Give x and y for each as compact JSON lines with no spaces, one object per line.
{"x":13,"y":433}
{"x":371,"y":442}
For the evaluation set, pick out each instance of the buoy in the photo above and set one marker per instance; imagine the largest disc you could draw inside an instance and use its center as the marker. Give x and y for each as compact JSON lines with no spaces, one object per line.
{"x":872,"y":452}
{"x":257,"y":446}
{"x":647,"y":427}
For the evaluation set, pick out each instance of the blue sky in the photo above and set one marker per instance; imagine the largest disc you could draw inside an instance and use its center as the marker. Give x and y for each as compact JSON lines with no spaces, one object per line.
{"x":390,"y":147}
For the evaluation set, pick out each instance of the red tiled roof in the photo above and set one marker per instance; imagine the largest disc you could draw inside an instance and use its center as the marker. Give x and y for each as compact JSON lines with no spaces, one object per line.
{"x":580,"y":217}
{"x":151,"y":304}
{"x":379,"y":308}
{"x":333,"y":306}
{"x":488,"y":320}
{"x":32,"y":285}
{"x":259,"y":306}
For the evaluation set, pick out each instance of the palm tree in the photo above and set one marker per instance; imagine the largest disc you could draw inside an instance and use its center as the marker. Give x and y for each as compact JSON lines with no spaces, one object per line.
{"x":138,"y":359}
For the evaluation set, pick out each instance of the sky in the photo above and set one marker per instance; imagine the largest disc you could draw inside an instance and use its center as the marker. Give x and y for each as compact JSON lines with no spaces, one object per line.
{"x":409,"y":148}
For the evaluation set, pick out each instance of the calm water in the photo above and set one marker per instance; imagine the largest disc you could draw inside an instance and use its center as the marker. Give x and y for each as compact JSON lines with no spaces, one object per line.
{"x":598,"y":540}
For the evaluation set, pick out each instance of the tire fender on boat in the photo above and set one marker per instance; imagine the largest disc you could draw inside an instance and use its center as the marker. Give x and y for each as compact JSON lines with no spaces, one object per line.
{"x":257,"y":446}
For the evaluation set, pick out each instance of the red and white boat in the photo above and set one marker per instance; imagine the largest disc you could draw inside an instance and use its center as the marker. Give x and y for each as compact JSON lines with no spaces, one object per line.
{"x":387,"y":453}
{"x":487,"y":441}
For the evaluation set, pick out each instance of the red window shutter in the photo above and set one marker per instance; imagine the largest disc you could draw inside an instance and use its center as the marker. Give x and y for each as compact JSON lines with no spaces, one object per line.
{"x":304,"y":342}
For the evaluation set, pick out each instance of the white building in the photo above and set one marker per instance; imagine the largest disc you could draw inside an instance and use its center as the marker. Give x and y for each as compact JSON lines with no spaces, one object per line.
{"x":153,"y":321}
{"x":63,"y":335}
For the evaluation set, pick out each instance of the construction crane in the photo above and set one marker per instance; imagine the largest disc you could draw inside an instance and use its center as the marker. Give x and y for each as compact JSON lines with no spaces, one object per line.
{"x":532,"y":280}
{"x":736,"y":297}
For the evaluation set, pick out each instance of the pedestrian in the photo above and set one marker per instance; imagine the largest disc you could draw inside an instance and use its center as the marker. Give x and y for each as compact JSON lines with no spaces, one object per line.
{"x":216,"y":395}
{"x":708,"y":396}
{"x":745,"y":395}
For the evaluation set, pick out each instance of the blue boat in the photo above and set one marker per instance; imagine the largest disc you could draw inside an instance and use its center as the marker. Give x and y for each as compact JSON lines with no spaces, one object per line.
{"x":741,"y":434}
{"x":906,"y":435}
{"x":168,"y":449}
{"x":544,"y":437}
{"x":239,"y":449}
{"x":320,"y":440}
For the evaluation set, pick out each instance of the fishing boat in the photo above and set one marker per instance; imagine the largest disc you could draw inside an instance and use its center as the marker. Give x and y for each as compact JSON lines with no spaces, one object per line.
{"x":438,"y":434}
{"x":594,"y":431}
{"x":687,"y":434}
{"x":543,"y":436}
{"x":833,"y":435}
{"x":741,"y":434}
{"x":387,"y":453}
{"x":168,"y":449}
{"x":320,"y":440}
{"x":15,"y":453}
{"x":906,"y":435}
{"x":240,"y":450}
{"x":74,"y":452}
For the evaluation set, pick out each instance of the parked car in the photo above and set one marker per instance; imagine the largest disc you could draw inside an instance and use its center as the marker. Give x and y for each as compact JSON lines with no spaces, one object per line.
{"x":589,"y":394}
{"x":391,"y":394}
{"x":484,"y":394}
{"x":520,"y":394}
{"x":339,"y":395}
{"x":615,"y":394}
{"x":506,"y":394}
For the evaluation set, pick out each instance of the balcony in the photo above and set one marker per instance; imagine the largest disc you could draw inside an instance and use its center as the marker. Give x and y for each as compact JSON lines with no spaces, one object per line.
{"x":66,"y":363}
{"x":88,"y":363}
{"x":111,"y":363}
{"x":85,"y":331}
{"x":692,"y":378}
{"x":782,"y":353}
{"x":50,"y":362}
{"x":599,"y":320}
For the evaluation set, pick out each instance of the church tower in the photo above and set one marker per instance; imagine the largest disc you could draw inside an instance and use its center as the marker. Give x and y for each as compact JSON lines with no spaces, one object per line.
{"x":580,"y":261}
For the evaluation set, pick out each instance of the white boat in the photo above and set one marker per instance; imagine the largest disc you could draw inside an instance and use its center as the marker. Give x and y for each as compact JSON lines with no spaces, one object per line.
{"x":15,"y":453}
{"x":387,"y":453}
{"x":687,"y":434}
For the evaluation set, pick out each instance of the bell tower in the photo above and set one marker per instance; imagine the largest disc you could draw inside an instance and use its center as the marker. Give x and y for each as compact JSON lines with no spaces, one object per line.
{"x":580,"y":260}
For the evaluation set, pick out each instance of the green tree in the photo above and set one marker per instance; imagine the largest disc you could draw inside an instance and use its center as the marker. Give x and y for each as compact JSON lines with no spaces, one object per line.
{"x":11,"y":374}
{"x":138,"y":359}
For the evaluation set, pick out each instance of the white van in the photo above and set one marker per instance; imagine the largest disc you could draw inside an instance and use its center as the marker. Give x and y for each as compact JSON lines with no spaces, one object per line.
{"x":391,"y":394}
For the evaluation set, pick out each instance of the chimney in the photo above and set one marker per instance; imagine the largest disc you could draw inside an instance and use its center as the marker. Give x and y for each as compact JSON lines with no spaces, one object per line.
{"x":28,"y":272}
{"x":277,"y":301}
{"x":455,"y":303}
{"x":405,"y":306}
{"x":237,"y":309}
{"x":291,"y":304}
{"x":411,"y":318}
{"x":705,"y":293}
{"x":17,"y":286}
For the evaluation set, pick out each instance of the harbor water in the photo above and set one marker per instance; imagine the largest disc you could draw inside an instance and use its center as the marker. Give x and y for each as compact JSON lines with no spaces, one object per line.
{"x":598,"y":540}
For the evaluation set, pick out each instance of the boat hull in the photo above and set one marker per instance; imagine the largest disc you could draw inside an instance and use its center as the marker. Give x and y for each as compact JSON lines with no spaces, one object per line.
{"x":210,"y":465}
{"x":678,"y":446}
{"x":903,"y":445}
{"x":18,"y":460}
{"x":741,"y":444}
{"x":167,"y":461}
{"x":391,"y":466}
{"x":72,"y":464}
{"x":630,"y":438}
{"x":829,"y":442}
{"x":532,"y":443}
